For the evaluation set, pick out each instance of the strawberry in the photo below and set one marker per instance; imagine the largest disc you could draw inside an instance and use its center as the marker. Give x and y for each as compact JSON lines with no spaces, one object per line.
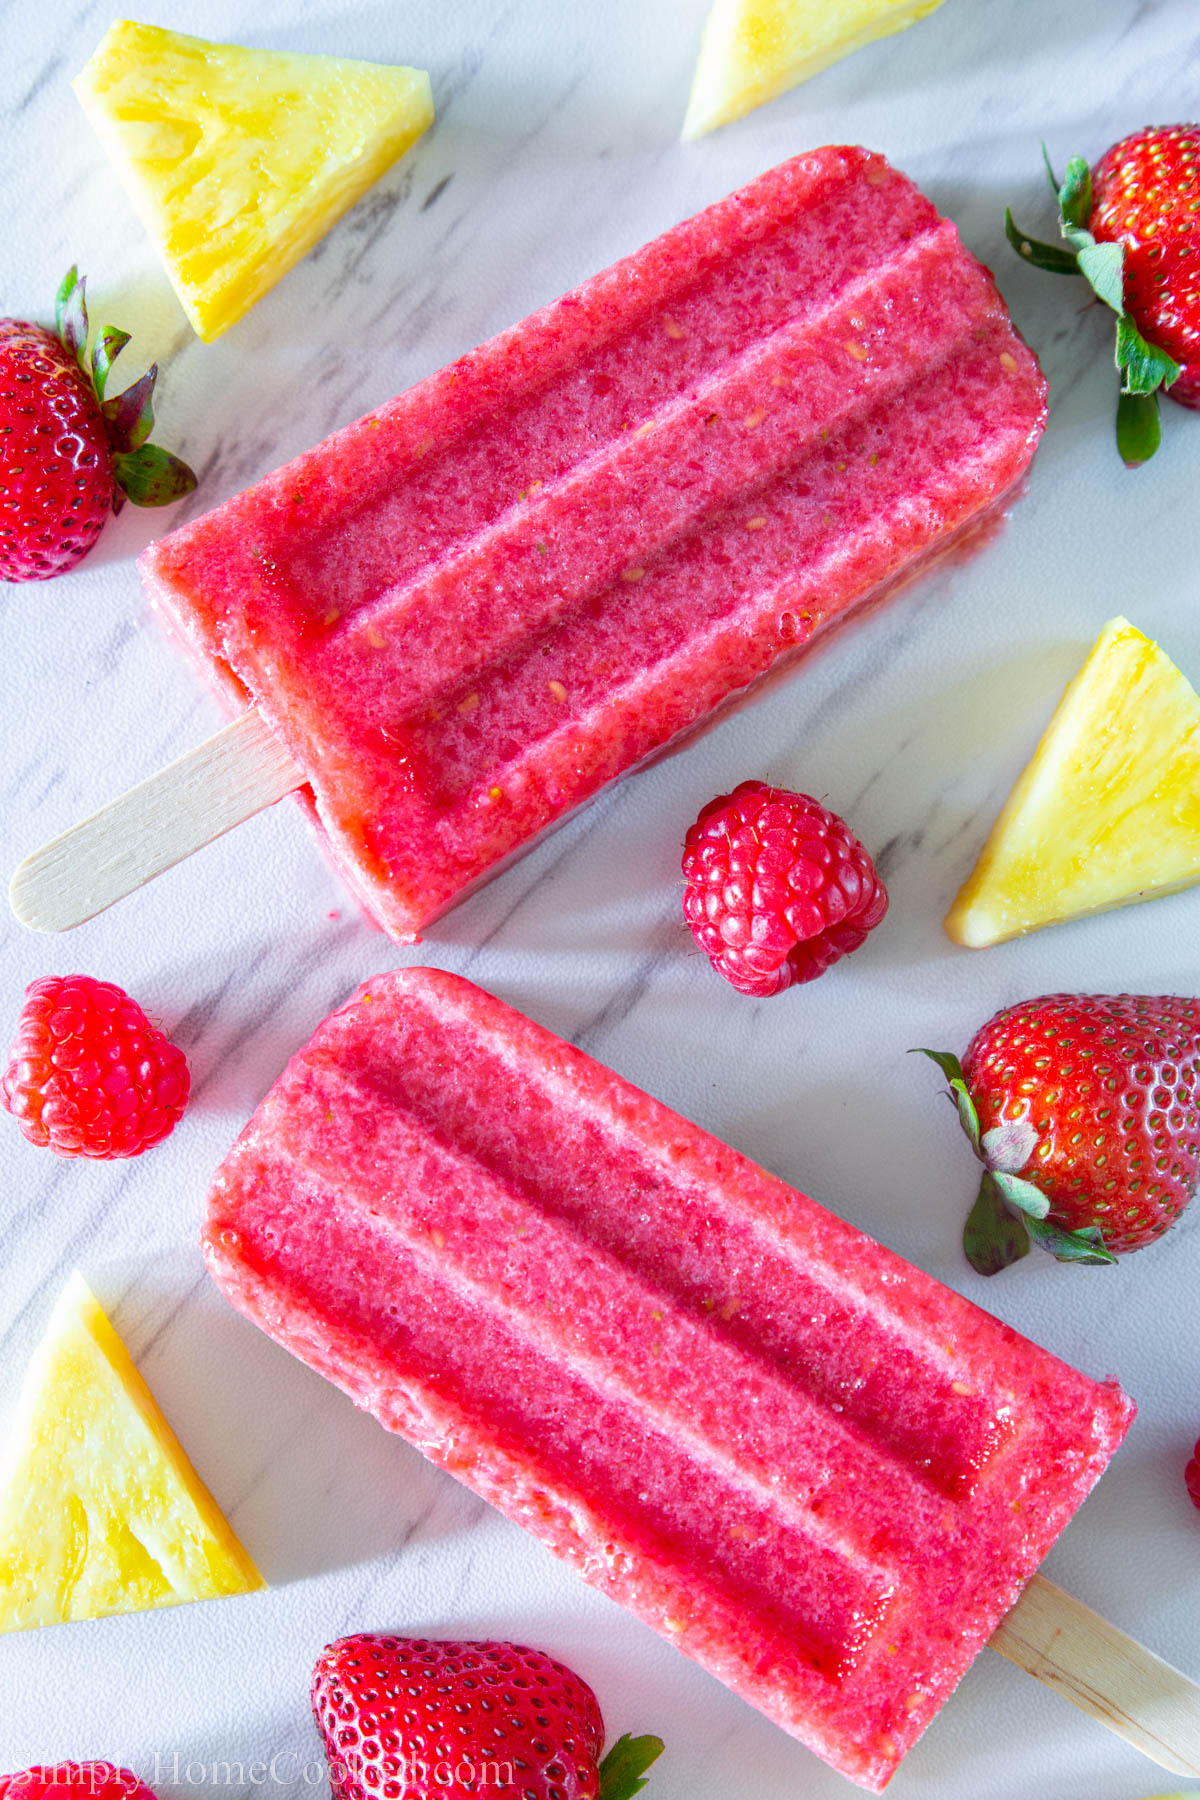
{"x":68,"y":455}
{"x":412,"y":1717}
{"x":1146,"y":197}
{"x":1084,"y":1110}
{"x":1133,"y":229}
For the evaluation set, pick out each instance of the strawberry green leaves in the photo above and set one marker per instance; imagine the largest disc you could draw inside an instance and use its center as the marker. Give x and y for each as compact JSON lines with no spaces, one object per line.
{"x":1050,"y":257}
{"x":130,"y":417}
{"x":1139,"y":428}
{"x":995,"y":1233}
{"x":1101,"y":265}
{"x":1103,"y":268}
{"x":992,"y":1237}
{"x":1020,"y":1196}
{"x":1074,"y":195}
{"x":625,"y":1764}
{"x":951,"y":1068}
{"x":108,"y":346}
{"x":70,"y":315}
{"x":1086,"y":1246}
{"x":144,"y":473}
{"x":1009,"y":1210}
{"x":151,"y":476}
{"x":1144,"y":368}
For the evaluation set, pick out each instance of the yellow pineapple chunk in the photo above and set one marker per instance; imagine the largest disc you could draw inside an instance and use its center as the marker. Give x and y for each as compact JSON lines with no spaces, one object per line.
{"x":239,"y":160}
{"x":755,"y":50}
{"x":1107,"y":812}
{"x":100,"y":1510}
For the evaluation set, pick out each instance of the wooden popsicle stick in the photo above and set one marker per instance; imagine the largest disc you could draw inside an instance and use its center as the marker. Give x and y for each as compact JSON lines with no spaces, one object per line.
{"x":198,"y":798}
{"x":1106,"y":1674}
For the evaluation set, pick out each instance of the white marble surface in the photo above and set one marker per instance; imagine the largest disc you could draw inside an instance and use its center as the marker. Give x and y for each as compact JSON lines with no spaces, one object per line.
{"x":554,"y":152}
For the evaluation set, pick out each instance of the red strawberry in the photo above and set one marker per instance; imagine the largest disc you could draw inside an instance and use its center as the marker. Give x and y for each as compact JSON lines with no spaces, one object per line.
{"x":56,"y":478}
{"x":1133,"y":227}
{"x":74,"y":1781}
{"x":68,"y":456}
{"x":1084,"y":1110}
{"x":412,"y":1717}
{"x":1146,"y":196}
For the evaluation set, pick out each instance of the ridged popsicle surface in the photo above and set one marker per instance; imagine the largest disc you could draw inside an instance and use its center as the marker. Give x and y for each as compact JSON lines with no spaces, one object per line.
{"x":815,"y":1469}
{"x":472,"y":609}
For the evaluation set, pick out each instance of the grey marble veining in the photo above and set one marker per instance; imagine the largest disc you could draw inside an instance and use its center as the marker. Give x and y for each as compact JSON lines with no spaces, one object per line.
{"x":555,"y":152}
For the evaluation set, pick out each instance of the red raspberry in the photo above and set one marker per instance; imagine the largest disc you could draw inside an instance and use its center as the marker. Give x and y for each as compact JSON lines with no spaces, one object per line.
{"x":74,"y":1781}
{"x":88,"y":1073}
{"x":1191,"y":1476}
{"x":777,"y":888}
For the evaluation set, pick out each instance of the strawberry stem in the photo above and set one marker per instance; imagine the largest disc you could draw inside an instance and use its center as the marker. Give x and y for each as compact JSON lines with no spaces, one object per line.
{"x":625,"y":1763}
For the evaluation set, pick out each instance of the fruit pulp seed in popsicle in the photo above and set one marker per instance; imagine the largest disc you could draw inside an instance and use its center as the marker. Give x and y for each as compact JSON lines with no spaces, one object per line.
{"x":470,"y":610}
{"x":816,"y":1470}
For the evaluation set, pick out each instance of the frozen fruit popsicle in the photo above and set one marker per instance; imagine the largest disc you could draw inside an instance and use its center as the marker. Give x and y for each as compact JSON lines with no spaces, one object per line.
{"x":813,"y":1468}
{"x":467,"y":612}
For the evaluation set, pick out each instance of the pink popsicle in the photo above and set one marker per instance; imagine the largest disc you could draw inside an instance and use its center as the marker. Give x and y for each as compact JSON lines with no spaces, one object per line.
{"x":470,"y":610}
{"x":815,"y":1469}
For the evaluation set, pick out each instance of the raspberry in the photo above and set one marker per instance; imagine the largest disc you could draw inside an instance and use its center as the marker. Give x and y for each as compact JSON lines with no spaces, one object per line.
{"x":74,"y":1781}
{"x":1191,"y":1476}
{"x":777,"y":888}
{"x":88,"y":1073}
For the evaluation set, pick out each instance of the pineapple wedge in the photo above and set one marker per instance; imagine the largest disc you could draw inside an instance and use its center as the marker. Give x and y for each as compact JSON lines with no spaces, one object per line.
{"x":1107,"y":812}
{"x":754,"y":50}
{"x":100,"y":1510}
{"x":239,"y":160}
